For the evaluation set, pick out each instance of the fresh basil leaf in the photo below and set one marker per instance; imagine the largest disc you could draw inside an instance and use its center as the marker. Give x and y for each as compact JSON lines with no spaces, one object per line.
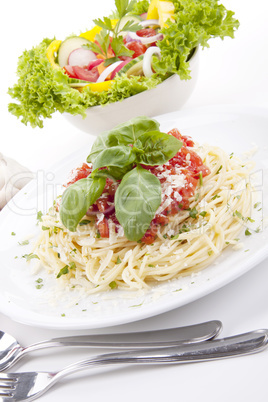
{"x":123,"y":134}
{"x":156,"y":148}
{"x":77,"y":198}
{"x":119,"y":173}
{"x":119,"y":156}
{"x":127,"y":133}
{"x":136,"y":201}
{"x":102,"y":142}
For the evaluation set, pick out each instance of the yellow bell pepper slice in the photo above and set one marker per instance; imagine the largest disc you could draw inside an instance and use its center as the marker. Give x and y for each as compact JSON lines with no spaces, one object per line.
{"x":166,"y":11}
{"x":91,"y":34}
{"x":51,"y":50}
{"x":99,"y":86}
{"x":162,"y":10}
{"x":152,"y":13}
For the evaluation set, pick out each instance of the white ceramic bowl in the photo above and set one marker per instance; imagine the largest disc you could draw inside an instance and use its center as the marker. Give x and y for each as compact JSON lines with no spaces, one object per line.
{"x":168,"y":96}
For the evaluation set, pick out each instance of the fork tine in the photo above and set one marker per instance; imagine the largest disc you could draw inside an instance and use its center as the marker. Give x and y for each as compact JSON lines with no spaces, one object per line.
{"x":7,"y":385}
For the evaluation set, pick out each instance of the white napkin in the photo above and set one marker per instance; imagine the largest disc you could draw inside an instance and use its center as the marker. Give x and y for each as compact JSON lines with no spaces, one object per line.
{"x":13,"y":177}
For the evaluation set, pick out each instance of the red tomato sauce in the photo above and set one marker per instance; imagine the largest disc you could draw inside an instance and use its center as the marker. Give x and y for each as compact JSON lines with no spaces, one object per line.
{"x":178,"y":177}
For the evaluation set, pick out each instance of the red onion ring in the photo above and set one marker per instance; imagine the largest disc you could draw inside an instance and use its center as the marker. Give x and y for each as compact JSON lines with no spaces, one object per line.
{"x":148,"y":23}
{"x":144,"y":40}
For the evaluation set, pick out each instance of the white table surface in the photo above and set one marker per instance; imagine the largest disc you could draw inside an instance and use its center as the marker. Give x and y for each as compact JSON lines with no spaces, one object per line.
{"x":231,"y":72}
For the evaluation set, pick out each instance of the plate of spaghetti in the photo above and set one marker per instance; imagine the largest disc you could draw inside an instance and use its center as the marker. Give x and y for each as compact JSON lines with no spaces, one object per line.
{"x":157,"y":212}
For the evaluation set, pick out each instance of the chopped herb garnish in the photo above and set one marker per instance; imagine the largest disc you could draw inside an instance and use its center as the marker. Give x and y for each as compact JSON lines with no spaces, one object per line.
{"x":218,"y":171}
{"x":249,"y":219}
{"x":215,"y":196}
{"x":13,"y":234}
{"x":24,"y":243}
{"x":210,"y":252}
{"x":113,"y":285}
{"x":247,"y":232}
{"x":39,"y":286}
{"x":165,"y":236}
{"x":56,"y":229}
{"x":98,"y":235}
{"x":231,"y":155}
{"x":201,"y":178}
{"x":193,"y":213}
{"x":118,"y":261}
{"x":30,"y":256}
{"x":227,"y":242}
{"x":45,"y":228}
{"x":63,"y":271}
{"x":257,"y":204}
{"x":39,"y":216}
{"x":63,"y":314}
{"x":177,"y":290}
{"x":238,"y":214}
{"x":72,"y":265}
{"x":39,"y":280}
{"x":151,"y":266}
{"x":203,"y":213}
{"x":258,"y":230}
{"x":196,"y":196}
{"x":137,"y":305}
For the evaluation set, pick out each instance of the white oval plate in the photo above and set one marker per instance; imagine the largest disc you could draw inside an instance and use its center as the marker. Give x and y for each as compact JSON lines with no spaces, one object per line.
{"x":235,"y":129}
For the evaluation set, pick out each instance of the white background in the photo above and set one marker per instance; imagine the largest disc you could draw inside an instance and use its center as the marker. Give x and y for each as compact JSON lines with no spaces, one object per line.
{"x":231,"y":72}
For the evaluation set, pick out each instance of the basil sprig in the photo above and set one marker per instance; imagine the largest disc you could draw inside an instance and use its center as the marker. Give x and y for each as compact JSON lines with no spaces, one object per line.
{"x":121,"y":152}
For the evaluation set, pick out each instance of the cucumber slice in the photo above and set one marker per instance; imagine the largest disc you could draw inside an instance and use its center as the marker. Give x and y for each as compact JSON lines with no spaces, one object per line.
{"x":67,"y":46}
{"x":134,"y":67}
{"x":76,"y":83}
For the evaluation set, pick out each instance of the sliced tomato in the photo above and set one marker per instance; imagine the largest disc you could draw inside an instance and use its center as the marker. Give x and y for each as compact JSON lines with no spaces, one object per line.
{"x":137,"y":47}
{"x":146,"y":32}
{"x":85,"y":74}
{"x":70,"y":71}
{"x":103,"y":227}
{"x":80,"y":172}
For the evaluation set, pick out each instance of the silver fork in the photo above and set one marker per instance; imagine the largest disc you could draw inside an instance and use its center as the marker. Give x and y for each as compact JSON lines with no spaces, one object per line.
{"x":30,"y":385}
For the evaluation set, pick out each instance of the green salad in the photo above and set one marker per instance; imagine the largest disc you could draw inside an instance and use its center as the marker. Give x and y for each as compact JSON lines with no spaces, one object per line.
{"x":139,"y":46}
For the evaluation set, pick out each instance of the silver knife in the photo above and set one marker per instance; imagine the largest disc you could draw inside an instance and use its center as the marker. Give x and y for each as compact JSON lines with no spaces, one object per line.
{"x":134,"y":340}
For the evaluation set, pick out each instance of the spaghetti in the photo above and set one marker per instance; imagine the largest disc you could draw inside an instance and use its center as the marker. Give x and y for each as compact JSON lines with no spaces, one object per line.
{"x":192,"y":239}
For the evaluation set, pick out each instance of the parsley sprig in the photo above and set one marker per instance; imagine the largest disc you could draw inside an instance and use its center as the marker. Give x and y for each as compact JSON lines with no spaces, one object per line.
{"x":111,"y":34}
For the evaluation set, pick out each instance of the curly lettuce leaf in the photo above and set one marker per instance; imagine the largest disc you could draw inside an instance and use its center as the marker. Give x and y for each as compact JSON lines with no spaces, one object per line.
{"x":196,"y":22}
{"x":140,"y":7}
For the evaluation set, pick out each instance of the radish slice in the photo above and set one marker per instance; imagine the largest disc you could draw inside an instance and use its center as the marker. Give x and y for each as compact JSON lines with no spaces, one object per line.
{"x":143,"y":16}
{"x":147,"y":23}
{"x":81,"y":57}
{"x":147,"y":60}
{"x":94,"y":63}
{"x":108,"y":71}
{"x":144,"y":40}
